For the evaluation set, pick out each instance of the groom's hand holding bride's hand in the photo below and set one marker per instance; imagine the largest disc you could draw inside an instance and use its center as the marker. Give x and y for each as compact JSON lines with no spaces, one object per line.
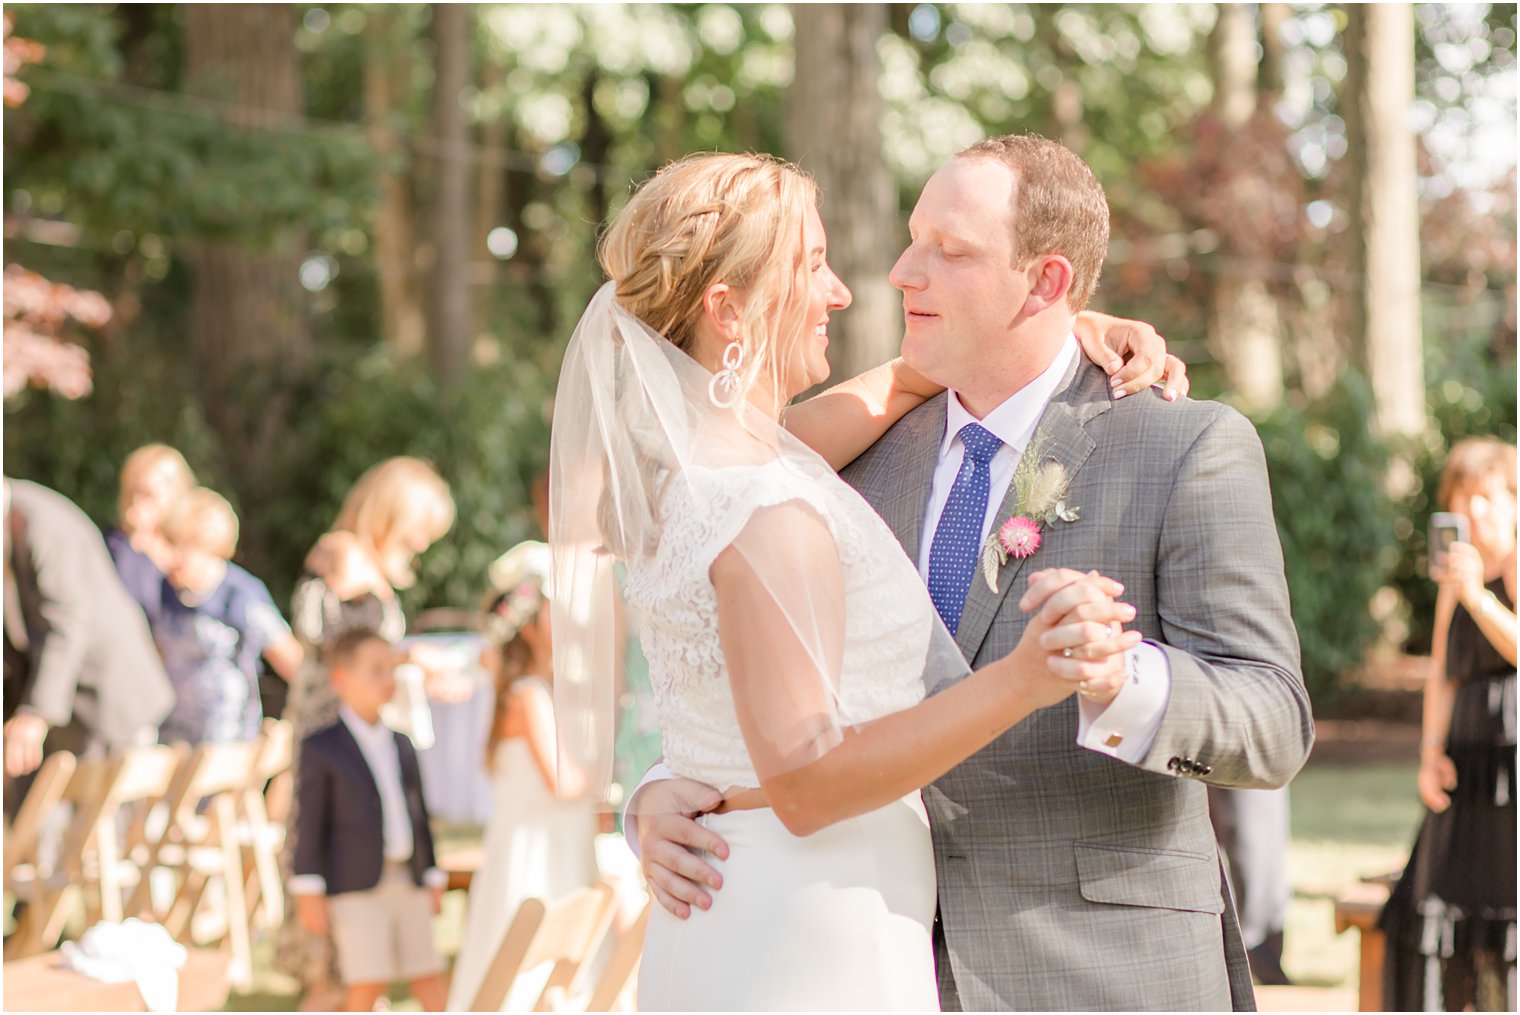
{"x":1075,"y":639}
{"x":670,"y":840}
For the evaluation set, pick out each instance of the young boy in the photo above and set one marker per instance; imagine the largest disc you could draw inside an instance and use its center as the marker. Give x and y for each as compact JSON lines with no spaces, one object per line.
{"x":363,"y":865}
{"x":213,"y":622}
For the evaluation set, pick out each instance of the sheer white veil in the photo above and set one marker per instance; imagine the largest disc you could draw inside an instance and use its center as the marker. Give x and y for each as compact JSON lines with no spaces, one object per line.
{"x":641,"y":459}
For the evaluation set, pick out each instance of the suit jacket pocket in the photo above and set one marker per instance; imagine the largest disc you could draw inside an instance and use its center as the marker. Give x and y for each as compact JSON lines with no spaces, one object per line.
{"x":1156,"y":878}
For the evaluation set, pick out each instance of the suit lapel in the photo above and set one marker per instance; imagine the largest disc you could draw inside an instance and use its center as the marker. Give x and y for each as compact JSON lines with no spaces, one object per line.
{"x":1061,"y":436}
{"x":350,"y":749}
{"x":914,"y":460}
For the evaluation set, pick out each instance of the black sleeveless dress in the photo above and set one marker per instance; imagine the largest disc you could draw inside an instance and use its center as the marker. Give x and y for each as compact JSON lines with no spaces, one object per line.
{"x":1451,"y":919}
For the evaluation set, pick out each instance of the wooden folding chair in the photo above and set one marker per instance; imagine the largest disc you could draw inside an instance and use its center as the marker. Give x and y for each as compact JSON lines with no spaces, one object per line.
{"x":200,"y":846}
{"x":24,"y":835}
{"x":90,"y":865}
{"x":564,"y":932}
{"x":260,"y":832}
{"x":25,"y":860}
{"x":621,"y":972}
{"x":144,"y":780}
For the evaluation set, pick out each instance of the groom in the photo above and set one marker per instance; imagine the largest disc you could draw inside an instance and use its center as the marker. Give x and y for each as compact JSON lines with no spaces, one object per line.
{"x":1077,"y":866}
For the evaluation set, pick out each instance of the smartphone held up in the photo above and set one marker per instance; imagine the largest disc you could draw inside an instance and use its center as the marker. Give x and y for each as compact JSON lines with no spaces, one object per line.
{"x":1445,"y":528}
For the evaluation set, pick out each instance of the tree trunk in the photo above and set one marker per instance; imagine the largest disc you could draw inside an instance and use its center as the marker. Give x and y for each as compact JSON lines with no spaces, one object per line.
{"x":402,"y":322}
{"x":249,"y":335}
{"x":1245,"y":330}
{"x":1385,"y":309}
{"x":490,"y":193}
{"x":833,"y":129}
{"x":1274,"y":51}
{"x":450,"y":332}
{"x":1232,"y":49}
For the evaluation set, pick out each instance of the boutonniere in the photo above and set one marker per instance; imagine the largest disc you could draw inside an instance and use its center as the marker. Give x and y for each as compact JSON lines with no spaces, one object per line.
{"x":1040,"y":500}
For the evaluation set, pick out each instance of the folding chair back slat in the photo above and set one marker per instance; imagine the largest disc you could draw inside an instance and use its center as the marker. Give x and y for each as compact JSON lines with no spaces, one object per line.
{"x":276,"y":749}
{"x":621,"y":967}
{"x":147,"y":774}
{"x":565,"y":932}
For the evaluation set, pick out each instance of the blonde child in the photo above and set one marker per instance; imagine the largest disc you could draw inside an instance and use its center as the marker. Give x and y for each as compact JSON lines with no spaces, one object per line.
{"x":212,"y":624}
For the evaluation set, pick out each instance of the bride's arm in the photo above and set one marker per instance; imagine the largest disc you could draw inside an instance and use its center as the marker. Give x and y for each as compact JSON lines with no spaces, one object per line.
{"x":782,"y":656}
{"x":843,"y":421}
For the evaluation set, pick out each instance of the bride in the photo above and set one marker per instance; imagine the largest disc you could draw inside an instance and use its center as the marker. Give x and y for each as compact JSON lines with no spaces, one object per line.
{"x":791,"y":644}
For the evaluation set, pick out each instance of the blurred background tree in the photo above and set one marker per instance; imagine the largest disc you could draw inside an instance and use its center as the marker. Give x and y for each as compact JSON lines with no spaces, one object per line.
{"x":329,"y":233}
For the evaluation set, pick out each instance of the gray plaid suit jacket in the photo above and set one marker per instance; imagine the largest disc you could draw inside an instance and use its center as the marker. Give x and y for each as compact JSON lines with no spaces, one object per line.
{"x":1069,"y":879}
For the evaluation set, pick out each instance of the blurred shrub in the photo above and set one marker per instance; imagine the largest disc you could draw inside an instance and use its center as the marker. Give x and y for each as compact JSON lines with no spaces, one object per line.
{"x":1336,"y":522}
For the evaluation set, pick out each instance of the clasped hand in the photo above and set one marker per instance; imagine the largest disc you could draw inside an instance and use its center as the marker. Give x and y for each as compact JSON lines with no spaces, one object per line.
{"x":1075,"y":640}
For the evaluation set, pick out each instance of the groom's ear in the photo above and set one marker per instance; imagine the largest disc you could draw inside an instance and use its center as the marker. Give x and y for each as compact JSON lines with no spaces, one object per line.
{"x":1049,"y":281}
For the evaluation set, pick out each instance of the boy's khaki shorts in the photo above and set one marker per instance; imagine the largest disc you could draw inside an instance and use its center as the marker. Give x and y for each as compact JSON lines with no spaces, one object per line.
{"x":386,"y":933}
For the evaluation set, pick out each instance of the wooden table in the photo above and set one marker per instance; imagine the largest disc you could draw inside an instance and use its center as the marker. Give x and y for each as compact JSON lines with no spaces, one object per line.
{"x":40,"y":983}
{"x":1359,"y":906}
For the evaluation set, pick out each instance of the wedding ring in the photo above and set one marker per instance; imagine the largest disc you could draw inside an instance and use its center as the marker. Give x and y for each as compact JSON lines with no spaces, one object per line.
{"x":1066,"y":653}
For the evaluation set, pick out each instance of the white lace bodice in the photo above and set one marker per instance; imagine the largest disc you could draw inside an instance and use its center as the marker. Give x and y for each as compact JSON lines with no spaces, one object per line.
{"x":888,"y":615}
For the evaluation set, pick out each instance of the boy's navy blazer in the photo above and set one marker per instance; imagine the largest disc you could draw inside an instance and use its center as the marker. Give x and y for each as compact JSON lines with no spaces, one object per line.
{"x":340,"y":833}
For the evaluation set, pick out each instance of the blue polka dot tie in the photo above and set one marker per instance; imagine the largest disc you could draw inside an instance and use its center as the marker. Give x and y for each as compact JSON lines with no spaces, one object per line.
{"x":958,"y":537}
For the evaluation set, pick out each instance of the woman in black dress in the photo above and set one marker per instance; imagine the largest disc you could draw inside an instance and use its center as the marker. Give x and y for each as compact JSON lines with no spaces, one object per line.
{"x":1451,"y":919}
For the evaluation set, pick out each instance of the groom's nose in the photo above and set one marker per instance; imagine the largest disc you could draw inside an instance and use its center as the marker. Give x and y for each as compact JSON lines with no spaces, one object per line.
{"x":906,"y":273}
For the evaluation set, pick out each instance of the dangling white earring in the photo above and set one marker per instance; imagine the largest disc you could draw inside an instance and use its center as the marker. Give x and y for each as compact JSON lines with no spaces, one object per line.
{"x":723,"y":389}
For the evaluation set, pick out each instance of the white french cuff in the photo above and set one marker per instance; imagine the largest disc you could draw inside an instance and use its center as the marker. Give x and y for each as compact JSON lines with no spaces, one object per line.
{"x":1126,"y":727}
{"x":307,"y":884}
{"x":433,"y":877}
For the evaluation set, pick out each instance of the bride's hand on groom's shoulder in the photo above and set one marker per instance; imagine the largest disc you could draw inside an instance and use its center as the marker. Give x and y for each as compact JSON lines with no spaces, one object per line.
{"x":1132,"y":353}
{"x":670,"y":841}
{"x":1075,"y":640}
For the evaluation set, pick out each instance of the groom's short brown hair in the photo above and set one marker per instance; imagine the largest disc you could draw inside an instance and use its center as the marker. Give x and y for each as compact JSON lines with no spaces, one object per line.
{"x":1058,"y":207}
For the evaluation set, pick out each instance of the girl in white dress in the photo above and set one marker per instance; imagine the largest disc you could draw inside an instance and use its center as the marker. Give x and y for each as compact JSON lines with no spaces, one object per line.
{"x":539,"y":842}
{"x":790,"y":642}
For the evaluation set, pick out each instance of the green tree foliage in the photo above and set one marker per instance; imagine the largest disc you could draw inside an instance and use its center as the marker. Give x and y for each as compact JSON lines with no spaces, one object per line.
{"x":1336,"y":524}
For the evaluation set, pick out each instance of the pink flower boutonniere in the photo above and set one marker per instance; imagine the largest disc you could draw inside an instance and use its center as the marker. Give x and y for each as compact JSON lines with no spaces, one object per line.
{"x":1040,"y":492}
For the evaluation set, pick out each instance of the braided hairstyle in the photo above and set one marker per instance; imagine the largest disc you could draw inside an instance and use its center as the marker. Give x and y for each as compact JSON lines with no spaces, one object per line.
{"x":713,"y":218}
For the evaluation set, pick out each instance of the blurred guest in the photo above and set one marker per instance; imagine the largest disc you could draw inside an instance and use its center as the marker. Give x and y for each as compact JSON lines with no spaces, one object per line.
{"x":152,"y":478}
{"x":394,"y":512}
{"x":539,"y":840}
{"x":1451,"y":919}
{"x":1252,"y":828}
{"x":364,"y":867}
{"x":81,"y":674}
{"x":213,"y":623}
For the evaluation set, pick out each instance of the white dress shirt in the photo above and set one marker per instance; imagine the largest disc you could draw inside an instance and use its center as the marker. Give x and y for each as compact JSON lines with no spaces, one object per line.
{"x":377,"y":742}
{"x":1126,"y":727}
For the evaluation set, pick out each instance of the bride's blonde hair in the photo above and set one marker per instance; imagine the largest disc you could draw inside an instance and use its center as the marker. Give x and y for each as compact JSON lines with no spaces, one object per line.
{"x":712,"y":218}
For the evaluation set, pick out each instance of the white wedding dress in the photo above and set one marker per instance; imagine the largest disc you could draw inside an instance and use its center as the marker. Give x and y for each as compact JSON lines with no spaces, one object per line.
{"x":839,"y":920}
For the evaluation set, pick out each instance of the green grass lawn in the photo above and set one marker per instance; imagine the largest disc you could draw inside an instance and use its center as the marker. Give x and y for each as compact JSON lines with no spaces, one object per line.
{"x":1349,"y":821}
